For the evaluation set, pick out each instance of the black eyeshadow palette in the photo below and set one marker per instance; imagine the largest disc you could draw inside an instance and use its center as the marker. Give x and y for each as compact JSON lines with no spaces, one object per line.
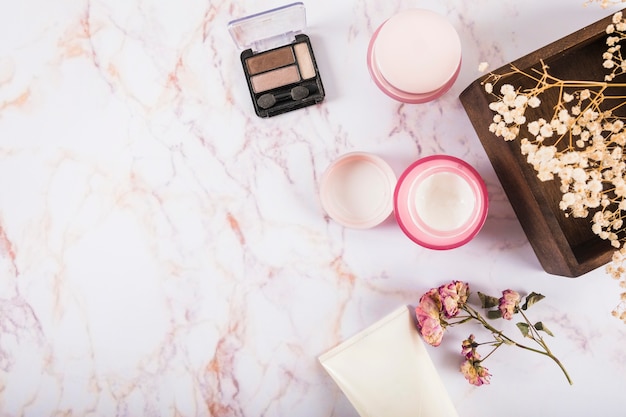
{"x":278,"y":63}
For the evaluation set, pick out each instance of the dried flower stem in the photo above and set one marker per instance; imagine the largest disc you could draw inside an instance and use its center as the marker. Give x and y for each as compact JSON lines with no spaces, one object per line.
{"x":443,"y":307}
{"x":500,"y":338}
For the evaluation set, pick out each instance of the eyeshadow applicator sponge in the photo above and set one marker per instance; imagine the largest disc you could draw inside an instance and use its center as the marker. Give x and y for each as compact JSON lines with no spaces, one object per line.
{"x":269,"y":100}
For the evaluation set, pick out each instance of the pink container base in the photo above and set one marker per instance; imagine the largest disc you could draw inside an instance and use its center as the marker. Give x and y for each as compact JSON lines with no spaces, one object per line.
{"x":463,"y":197}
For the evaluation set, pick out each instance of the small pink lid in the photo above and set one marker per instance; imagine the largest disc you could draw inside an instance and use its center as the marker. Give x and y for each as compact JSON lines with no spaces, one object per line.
{"x":357,"y":190}
{"x":441,"y":202}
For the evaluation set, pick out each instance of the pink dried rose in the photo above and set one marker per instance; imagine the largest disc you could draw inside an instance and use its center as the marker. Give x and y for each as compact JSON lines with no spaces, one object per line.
{"x":428,"y":317}
{"x":448,"y":306}
{"x":431,"y":330}
{"x":430,"y":302}
{"x":453,"y":296}
{"x":508,"y":303}
{"x":471,"y":367}
{"x":468,"y":347}
{"x":475,"y":373}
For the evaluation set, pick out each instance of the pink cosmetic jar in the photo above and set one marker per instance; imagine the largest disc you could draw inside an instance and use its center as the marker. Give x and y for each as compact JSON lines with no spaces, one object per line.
{"x":415,"y":56}
{"x":439,"y":202}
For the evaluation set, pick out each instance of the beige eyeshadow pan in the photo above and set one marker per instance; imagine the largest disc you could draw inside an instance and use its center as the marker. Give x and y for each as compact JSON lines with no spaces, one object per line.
{"x":305,"y":62}
{"x":274,"y":79}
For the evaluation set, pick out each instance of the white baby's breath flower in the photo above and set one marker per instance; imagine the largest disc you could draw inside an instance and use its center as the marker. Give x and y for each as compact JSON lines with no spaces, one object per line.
{"x":585,"y":94}
{"x":617,"y":17}
{"x":545,"y":175}
{"x":534,"y":102}
{"x":533,"y":128}
{"x":509,"y":99}
{"x":570,"y":158}
{"x":620,"y":189}
{"x":482,"y":67}
{"x":567,"y":201}
{"x":520,"y":101}
{"x":546,"y":131}
{"x":596,"y":228}
{"x":511,"y":134}
{"x":579,"y":175}
{"x":497,"y":106}
{"x":507,"y":89}
{"x":595,"y":186}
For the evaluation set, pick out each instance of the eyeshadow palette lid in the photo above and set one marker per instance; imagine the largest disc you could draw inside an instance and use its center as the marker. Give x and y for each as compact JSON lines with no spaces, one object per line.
{"x":269,"y":29}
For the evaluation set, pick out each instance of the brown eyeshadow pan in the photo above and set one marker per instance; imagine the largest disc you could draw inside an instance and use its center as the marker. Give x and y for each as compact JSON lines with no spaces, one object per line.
{"x":270,"y":60}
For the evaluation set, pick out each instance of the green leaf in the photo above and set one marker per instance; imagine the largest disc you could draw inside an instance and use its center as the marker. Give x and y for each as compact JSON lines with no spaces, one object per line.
{"x":488,"y":301}
{"x":531,"y":299}
{"x":540,"y":326}
{"x":494,"y":314}
{"x":524,"y":328}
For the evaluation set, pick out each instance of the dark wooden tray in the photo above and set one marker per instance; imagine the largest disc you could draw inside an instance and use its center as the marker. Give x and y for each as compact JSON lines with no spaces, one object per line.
{"x":565,"y":246}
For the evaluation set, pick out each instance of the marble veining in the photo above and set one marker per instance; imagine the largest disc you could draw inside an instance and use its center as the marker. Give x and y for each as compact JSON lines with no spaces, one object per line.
{"x":163,"y":251}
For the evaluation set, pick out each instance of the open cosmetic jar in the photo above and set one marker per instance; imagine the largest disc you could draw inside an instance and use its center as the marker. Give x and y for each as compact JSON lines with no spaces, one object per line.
{"x":415,"y":56}
{"x":440,"y":201}
{"x":278,"y":61}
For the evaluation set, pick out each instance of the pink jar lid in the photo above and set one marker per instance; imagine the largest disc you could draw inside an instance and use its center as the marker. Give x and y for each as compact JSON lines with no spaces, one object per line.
{"x":415,"y":56}
{"x":357,"y":190}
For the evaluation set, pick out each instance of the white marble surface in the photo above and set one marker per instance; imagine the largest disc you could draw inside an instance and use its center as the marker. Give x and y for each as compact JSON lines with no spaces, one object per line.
{"x":163,"y":251}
